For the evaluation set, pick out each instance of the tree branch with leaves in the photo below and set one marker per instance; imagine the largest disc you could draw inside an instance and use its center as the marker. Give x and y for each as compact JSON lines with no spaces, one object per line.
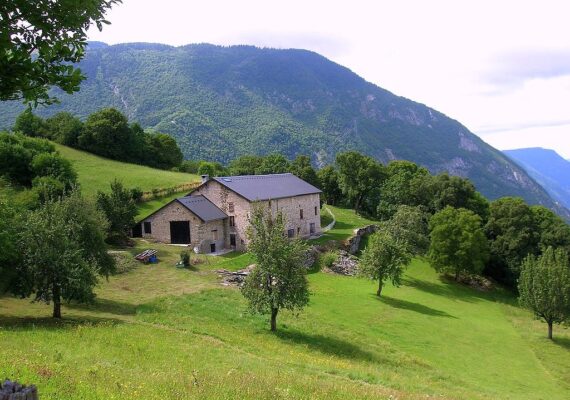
{"x":40,"y":41}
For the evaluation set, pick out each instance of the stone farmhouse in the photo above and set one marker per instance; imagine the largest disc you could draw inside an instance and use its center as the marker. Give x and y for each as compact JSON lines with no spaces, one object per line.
{"x":215,"y":216}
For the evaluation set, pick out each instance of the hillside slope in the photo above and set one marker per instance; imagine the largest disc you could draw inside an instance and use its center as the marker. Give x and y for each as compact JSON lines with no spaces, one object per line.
{"x":548,"y":168}
{"x":159,"y":332}
{"x":221,"y":102}
{"x":96,"y":173}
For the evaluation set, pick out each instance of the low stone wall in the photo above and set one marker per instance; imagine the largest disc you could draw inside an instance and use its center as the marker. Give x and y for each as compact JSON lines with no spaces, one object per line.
{"x":11,"y":390}
{"x":353,"y":244}
{"x":162,"y":192}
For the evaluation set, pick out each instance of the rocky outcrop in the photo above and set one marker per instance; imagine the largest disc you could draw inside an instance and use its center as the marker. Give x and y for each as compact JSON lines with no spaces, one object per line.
{"x":346,"y":264}
{"x":11,"y":390}
{"x":311,"y":256}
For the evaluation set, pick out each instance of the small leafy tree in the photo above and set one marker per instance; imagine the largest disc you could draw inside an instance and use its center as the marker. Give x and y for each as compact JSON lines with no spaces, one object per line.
{"x":458,"y":243}
{"x":406,"y":184}
{"x":63,"y":253}
{"x":278,"y":281}
{"x":544,"y":286}
{"x":328,"y":180}
{"x":120,"y":209}
{"x":301,"y":167}
{"x":358,"y":176}
{"x":513,"y":234}
{"x":64,"y":128}
{"x":106,"y":133}
{"x":384,"y":259}
{"x":30,"y":125}
{"x":409,"y":225}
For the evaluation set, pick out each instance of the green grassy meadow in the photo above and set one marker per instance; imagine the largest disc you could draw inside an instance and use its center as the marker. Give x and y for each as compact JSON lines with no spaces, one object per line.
{"x":96,"y":173}
{"x":346,"y":222}
{"x":159,"y":332}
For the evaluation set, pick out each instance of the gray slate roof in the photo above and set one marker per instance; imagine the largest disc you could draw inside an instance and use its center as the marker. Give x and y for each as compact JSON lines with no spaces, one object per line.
{"x":266,"y":187}
{"x":202,"y":207}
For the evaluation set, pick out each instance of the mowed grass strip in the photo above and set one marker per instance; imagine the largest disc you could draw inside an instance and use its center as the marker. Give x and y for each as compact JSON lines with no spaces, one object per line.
{"x":346,"y":222}
{"x":96,"y":173}
{"x":159,"y":332}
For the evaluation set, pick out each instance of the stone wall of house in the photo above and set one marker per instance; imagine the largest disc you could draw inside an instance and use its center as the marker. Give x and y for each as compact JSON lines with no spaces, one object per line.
{"x":221,"y":196}
{"x":291,"y":208}
{"x":201,"y":234}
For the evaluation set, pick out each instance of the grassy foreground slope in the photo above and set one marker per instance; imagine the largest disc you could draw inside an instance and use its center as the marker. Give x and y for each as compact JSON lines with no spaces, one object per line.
{"x":157,"y":332}
{"x":95,"y":173}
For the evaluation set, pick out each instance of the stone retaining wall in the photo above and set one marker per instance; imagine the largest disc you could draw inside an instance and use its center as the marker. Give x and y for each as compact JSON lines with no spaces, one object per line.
{"x":353,"y":244}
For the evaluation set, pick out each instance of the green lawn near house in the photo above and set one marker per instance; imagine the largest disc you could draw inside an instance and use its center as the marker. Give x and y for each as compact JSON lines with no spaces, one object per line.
{"x":158,"y":332}
{"x":96,"y":173}
{"x":346,"y":222}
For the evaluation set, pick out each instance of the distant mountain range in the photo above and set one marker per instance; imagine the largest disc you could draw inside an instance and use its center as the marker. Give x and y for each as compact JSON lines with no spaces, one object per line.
{"x":222,"y":102}
{"x":547,"y":168}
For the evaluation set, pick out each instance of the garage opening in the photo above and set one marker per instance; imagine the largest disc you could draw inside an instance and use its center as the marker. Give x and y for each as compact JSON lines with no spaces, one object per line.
{"x":180,"y":232}
{"x":137,"y":231}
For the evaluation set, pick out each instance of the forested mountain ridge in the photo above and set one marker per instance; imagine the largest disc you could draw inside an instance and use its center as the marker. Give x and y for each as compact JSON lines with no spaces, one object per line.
{"x":221,"y":102}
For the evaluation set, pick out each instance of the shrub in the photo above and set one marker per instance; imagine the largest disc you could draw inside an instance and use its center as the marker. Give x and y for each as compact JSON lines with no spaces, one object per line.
{"x":124,"y":262}
{"x":326,"y":260}
{"x":137,"y":194}
{"x":185,"y":258}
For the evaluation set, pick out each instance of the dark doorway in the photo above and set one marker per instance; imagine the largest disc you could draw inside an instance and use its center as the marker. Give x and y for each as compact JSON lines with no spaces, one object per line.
{"x":179,"y":232}
{"x":137,"y":231}
{"x":233,"y":239}
{"x":212,"y":247}
{"x":312,"y":228}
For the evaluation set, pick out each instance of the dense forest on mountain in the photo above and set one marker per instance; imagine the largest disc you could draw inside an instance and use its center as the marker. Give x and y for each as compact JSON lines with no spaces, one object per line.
{"x":222,"y":102}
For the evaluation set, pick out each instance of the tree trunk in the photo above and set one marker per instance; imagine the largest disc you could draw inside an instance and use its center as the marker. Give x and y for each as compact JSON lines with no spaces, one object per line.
{"x":379,"y":291}
{"x":550,"y":330}
{"x":56,"y":293}
{"x":274,"y":312}
{"x":456,"y":275}
{"x":357,"y":204}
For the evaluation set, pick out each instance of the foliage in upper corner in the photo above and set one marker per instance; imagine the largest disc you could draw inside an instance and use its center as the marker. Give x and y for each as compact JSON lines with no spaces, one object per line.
{"x":39,"y":43}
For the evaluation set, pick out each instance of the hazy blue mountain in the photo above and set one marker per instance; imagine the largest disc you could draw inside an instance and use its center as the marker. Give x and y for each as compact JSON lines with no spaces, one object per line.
{"x":221,"y":102}
{"x":548,"y":168}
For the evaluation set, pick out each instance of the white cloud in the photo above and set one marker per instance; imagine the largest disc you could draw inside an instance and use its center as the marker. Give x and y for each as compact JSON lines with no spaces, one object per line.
{"x":487,"y":63}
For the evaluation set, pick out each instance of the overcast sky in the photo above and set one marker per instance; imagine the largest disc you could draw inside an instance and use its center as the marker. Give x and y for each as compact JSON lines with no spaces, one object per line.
{"x":502,"y":68}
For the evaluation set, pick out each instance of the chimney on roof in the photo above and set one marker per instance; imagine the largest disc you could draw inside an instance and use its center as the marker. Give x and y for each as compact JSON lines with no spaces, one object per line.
{"x":205,"y":178}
